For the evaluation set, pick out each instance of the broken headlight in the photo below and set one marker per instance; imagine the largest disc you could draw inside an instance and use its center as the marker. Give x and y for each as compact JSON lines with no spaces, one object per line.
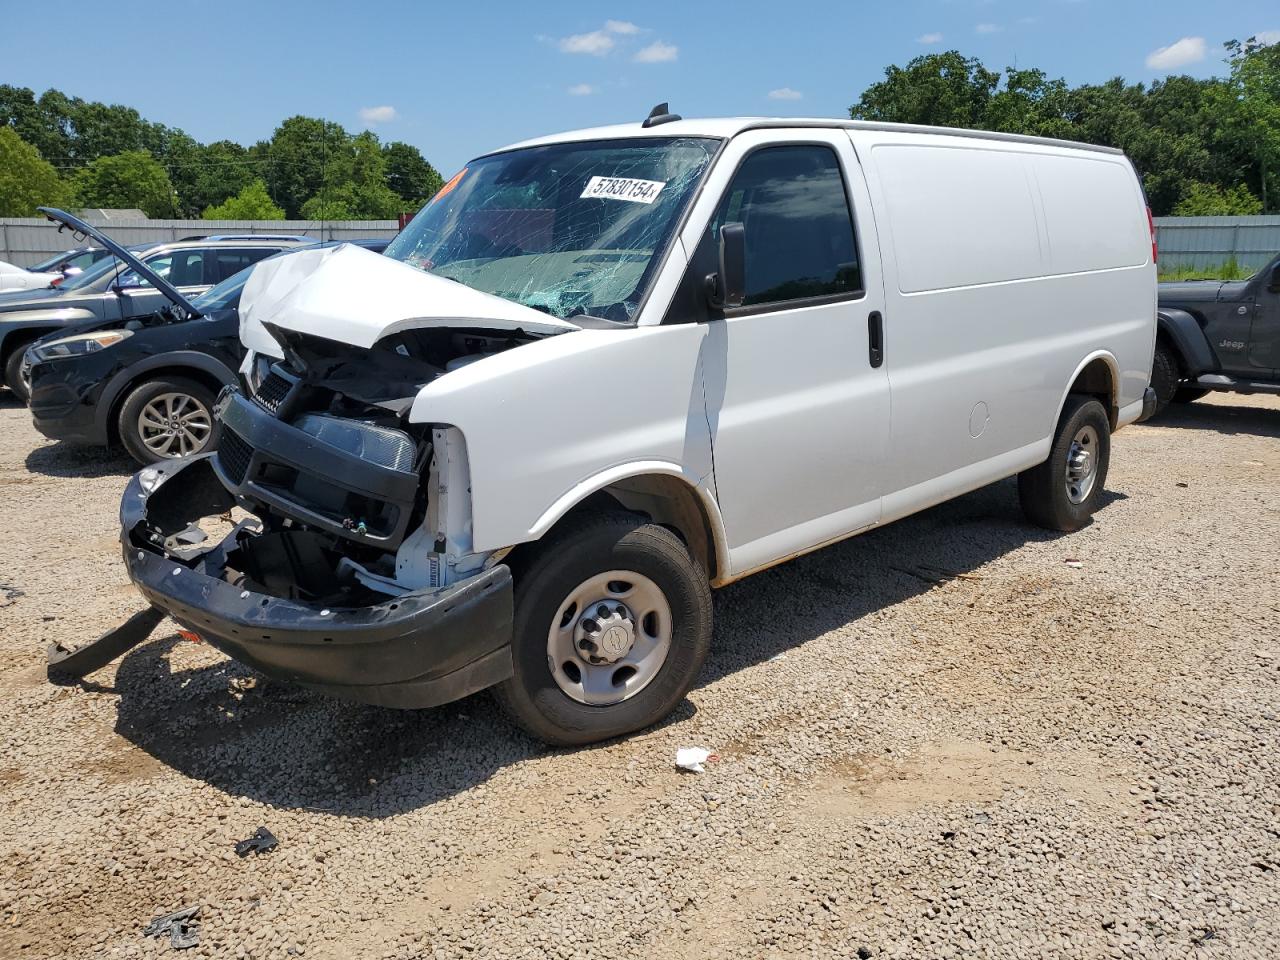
{"x":381,"y":445}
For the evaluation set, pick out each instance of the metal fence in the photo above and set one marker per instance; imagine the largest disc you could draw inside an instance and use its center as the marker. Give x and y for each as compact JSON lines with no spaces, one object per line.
{"x":1185,"y":242}
{"x":25,"y":241}
{"x":1201,"y":243}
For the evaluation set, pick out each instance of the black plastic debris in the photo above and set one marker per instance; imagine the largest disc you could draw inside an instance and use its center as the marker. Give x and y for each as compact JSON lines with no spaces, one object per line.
{"x":180,"y":925}
{"x":262,"y":841}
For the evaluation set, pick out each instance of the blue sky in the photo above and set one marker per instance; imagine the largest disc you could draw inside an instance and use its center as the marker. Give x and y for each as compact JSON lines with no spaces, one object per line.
{"x":457,"y":79}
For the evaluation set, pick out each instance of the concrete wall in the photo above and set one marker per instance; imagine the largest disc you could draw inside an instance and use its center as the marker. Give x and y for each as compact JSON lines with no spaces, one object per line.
{"x":25,"y":241}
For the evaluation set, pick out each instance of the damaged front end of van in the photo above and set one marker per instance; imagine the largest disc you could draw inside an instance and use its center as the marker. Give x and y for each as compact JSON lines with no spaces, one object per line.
{"x":327,"y":541}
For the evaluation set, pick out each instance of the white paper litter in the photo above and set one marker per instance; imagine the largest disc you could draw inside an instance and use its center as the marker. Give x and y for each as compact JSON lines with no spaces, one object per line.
{"x":1074,"y":564}
{"x":692,"y":759}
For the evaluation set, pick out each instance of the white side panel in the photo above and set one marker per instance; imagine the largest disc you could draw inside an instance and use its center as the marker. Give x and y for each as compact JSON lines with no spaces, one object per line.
{"x":983,"y":340}
{"x":544,"y":419}
{"x":960,"y":216}
{"x":1094,"y":215}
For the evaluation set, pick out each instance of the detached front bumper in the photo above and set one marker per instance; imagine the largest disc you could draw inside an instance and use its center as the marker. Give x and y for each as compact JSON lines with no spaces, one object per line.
{"x":420,"y":649}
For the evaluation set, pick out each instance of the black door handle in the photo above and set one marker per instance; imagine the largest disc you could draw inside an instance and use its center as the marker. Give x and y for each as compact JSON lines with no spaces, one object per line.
{"x":875,"y":338}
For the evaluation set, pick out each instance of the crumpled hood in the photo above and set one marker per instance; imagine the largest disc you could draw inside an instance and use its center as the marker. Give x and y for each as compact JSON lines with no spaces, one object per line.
{"x":351,"y":295}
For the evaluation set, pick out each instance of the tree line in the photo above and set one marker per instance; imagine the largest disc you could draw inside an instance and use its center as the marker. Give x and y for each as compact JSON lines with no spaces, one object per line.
{"x":57,"y":150}
{"x":1202,"y":147}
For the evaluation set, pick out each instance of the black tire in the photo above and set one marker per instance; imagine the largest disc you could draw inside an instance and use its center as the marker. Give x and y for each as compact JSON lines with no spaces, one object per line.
{"x":596,"y":544}
{"x":144,"y":393}
{"x":12,"y":376}
{"x":1166,"y":373}
{"x":1043,"y":489}
{"x":1188,"y":394}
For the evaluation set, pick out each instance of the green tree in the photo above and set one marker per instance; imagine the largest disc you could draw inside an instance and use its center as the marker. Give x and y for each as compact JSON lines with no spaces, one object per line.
{"x":1251,"y":113}
{"x":940,"y":89}
{"x":305,"y":157}
{"x":1211,"y":200}
{"x":409,"y":175}
{"x":130,"y":179}
{"x":27,"y":181}
{"x":337,"y":204}
{"x":251,"y":203}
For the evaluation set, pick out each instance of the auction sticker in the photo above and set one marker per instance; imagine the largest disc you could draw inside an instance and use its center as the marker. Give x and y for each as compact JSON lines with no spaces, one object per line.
{"x":623,"y":188}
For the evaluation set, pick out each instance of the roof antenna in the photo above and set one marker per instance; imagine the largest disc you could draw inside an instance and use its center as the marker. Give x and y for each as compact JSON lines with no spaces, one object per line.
{"x":660,"y":114}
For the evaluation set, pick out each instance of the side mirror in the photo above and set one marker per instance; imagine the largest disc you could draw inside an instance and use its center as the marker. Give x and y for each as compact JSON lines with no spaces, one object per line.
{"x":728,"y":287}
{"x":1275,"y":279}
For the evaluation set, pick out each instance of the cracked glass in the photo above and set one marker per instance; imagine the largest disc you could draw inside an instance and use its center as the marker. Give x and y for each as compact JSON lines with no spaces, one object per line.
{"x":570,"y":229}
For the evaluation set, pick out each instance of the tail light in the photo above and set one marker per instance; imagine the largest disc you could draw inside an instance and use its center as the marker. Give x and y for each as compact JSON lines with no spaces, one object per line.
{"x":1155,"y":247}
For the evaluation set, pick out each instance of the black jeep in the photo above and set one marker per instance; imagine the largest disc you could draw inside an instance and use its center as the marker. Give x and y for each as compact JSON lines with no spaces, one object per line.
{"x":1218,"y":336}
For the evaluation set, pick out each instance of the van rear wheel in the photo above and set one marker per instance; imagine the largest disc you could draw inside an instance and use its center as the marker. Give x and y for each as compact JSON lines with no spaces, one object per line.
{"x":1063,"y":492}
{"x":612,"y":625}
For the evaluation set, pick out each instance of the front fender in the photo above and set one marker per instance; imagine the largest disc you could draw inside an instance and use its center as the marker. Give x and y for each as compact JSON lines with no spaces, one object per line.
{"x":1183,"y":332}
{"x":700,"y":487}
{"x":176,"y":360}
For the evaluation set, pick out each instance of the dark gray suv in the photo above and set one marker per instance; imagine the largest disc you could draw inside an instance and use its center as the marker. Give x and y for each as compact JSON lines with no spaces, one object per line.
{"x":110,"y":291}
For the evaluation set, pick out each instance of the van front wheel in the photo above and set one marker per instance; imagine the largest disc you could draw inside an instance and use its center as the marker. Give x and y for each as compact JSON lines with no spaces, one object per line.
{"x":612,"y":625}
{"x":1063,"y":492}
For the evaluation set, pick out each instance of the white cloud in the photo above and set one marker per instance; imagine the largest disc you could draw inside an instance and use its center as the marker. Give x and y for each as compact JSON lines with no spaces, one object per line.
{"x":785,"y":93}
{"x":1178,"y":54}
{"x":929,"y":38}
{"x":657,"y":52}
{"x":1267,"y":37}
{"x":581,"y":90}
{"x":987,"y":28}
{"x":378,"y":114}
{"x":596,"y":43}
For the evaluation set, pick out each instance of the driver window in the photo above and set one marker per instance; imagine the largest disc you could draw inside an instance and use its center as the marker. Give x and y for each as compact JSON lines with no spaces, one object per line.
{"x":799,"y":231}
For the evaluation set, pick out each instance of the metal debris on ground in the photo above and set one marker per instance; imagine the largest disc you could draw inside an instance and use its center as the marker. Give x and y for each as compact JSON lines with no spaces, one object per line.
{"x":262,"y":841}
{"x":692,"y":759}
{"x":180,"y":925}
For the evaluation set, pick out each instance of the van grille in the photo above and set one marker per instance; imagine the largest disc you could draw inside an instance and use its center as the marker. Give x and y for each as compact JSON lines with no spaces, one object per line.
{"x":234,"y":456}
{"x":272,"y":392}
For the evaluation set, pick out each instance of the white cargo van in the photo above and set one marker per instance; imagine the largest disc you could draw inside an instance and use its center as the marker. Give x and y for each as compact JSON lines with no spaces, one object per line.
{"x":606,"y":371}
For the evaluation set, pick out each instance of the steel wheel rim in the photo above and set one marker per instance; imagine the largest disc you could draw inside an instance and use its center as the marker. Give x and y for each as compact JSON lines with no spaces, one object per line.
{"x":173,"y":425}
{"x":1082,"y":464}
{"x":609,"y":638}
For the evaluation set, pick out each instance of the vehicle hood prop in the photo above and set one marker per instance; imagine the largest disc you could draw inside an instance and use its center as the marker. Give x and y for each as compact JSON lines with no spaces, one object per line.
{"x":160,"y":283}
{"x":357,"y":297}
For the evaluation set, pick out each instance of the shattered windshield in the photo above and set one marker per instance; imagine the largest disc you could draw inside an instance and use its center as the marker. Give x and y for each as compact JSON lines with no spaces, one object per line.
{"x":569,"y":229}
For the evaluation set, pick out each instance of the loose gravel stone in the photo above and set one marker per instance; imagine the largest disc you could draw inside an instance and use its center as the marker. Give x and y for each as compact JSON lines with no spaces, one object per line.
{"x":972,"y":748}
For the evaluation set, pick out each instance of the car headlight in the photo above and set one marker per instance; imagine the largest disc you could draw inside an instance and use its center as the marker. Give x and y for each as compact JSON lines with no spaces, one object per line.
{"x":77,"y":346}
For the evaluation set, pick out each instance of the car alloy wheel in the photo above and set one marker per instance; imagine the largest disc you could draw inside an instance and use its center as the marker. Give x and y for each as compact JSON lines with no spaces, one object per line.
{"x":174,"y":425}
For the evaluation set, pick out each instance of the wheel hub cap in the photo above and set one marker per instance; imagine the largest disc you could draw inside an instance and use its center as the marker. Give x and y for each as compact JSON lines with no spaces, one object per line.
{"x":1082,"y":464}
{"x":609,"y":638}
{"x":606,"y":632}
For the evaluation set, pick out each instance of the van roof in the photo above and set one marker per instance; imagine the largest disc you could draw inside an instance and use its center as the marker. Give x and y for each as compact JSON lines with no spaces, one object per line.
{"x":726,"y":127}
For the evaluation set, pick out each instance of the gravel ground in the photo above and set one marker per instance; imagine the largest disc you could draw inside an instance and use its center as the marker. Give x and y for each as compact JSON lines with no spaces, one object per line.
{"x":956,"y":736}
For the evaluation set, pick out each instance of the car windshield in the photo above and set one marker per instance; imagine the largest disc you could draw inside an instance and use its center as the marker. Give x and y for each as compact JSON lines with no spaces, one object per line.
{"x":224,"y":294}
{"x":46,"y":265}
{"x":569,"y":228}
{"x":95,"y":272}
